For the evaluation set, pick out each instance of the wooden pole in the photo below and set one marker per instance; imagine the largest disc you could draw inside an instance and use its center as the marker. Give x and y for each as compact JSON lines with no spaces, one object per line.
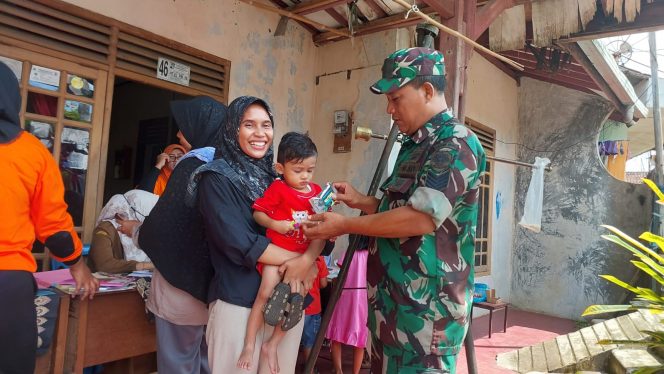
{"x":298,"y":17}
{"x":459,"y":35}
{"x":656,"y":113}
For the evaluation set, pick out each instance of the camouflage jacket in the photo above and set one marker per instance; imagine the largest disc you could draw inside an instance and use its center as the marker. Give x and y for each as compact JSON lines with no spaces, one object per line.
{"x":420,"y":288}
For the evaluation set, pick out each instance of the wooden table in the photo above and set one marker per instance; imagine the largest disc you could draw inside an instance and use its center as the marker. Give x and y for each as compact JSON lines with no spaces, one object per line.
{"x":491,"y":307}
{"x":112,"y":326}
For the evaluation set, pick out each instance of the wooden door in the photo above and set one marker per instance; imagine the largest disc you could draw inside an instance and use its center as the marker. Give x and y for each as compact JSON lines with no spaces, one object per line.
{"x":63,"y":106}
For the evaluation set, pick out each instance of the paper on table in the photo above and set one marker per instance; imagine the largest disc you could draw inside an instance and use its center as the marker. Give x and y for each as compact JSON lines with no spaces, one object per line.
{"x":46,"y":278}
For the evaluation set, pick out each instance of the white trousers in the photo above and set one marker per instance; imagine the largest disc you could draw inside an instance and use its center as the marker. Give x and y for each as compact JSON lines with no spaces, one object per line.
{"x":226,"y":329}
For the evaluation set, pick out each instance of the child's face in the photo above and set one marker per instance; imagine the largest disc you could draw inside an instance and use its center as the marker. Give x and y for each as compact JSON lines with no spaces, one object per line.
{"x":298,"y":174}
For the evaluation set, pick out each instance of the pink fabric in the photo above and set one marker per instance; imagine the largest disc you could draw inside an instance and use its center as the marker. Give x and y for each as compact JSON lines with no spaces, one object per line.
{"x":349,"y":320}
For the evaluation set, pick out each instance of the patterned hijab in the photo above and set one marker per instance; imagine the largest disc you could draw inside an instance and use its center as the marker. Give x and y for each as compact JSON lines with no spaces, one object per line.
{"x":253,"y":175}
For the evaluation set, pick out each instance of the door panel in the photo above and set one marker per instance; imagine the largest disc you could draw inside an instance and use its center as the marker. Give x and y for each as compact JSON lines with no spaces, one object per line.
{"x":63,"y":106}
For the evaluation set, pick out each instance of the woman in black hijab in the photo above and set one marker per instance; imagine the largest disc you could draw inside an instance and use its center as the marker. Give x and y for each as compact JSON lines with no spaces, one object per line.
{"x":227,"y":189}
{"x":174,"y":239}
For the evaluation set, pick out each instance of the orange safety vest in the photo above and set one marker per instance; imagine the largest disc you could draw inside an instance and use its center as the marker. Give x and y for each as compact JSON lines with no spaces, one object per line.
{"x":31,"y":203}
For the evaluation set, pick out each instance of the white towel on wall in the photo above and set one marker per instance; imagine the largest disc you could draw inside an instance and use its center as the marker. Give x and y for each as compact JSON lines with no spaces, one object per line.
{"x":532,"y":210}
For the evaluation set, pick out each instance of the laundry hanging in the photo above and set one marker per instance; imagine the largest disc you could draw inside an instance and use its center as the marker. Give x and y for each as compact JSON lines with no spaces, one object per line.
{"x":532,"y":210}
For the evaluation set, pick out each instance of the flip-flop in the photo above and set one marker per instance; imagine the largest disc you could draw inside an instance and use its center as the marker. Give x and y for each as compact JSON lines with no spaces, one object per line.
{"x":294,"y":314}
{"x":276,"y":305}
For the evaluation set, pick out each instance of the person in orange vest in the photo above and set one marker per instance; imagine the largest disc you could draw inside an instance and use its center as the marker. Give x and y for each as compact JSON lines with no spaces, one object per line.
{"x":32,"y":207}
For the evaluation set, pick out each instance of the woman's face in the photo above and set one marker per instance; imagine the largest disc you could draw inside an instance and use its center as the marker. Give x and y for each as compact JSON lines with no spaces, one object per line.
{"x":173,"y":158}
{"x":255,"y":134}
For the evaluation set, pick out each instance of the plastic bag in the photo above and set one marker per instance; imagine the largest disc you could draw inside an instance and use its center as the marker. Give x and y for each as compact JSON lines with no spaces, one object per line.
{"x":532,"y":210}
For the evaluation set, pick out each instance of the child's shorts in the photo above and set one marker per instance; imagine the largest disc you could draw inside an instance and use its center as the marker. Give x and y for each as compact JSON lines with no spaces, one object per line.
{"x":311,"y":327}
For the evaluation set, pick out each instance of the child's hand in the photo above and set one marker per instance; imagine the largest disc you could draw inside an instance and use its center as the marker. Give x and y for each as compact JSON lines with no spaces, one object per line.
{"x":283,"y":227}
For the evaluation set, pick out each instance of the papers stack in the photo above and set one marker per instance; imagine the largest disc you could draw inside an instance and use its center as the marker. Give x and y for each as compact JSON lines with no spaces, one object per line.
{"x":62,"y":280}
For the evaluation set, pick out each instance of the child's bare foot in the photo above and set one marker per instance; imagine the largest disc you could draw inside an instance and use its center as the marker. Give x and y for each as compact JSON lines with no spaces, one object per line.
{"x":269,"y":351}
{"x":247,"y":355}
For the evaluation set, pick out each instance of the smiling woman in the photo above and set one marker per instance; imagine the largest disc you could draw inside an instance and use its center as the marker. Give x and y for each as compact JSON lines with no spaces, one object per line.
{"x":227,"y":189}
{"x":256,"y":132}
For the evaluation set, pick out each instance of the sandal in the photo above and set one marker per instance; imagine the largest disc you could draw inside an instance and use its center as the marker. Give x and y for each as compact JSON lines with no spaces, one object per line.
{"x":276,"y":305}
{"x":294,"y":313}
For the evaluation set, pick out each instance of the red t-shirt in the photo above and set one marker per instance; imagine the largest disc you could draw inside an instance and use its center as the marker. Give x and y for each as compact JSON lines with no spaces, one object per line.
{"x":281,"y":202}
{"x":315,"y":307}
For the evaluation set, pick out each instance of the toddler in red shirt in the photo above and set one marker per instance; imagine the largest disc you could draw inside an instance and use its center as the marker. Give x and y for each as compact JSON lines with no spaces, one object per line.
{"x":282,"y":209}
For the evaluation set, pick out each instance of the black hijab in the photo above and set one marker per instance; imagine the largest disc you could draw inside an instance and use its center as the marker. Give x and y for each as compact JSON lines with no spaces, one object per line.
{"x":10,"y":105}
{"x":253,"y":175}
{"x":173,"y":234}
{"x":199,"y":119}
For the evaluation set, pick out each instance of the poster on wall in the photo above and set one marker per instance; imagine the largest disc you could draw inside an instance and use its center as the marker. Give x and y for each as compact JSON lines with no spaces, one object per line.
{"x":75,"y":144}
{"x":45,"y":78}
{"x":78,"y":111}
{"x":42,"y":131}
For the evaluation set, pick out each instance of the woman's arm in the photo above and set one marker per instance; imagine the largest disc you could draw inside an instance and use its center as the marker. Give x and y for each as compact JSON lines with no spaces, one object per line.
{"x":102,"y":255}
{"x":230,"y":226}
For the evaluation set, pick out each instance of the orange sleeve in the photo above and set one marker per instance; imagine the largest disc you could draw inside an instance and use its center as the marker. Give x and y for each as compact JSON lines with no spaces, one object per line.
{"x":48,"y":212}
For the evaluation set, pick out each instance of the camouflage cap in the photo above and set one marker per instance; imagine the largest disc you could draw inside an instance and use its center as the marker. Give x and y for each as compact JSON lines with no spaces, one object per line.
{"x":402,"y":66}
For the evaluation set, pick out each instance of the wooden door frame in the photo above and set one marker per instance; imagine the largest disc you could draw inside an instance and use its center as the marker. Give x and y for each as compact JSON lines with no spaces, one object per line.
{"x":106,"y":73}
{"x":99,"y":76}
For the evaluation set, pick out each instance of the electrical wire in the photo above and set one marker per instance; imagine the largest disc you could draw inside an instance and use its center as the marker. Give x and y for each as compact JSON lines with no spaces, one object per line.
{"x":642,"y":64}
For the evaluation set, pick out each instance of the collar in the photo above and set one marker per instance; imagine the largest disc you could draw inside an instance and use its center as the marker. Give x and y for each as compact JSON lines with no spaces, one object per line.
{"x":432,"y":125}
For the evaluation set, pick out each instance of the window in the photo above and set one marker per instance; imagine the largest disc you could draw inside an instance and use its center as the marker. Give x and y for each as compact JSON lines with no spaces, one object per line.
{"x":487,"y":137}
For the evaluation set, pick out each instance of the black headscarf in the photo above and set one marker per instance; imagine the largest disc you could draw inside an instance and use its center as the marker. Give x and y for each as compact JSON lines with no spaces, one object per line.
{"x":173,"y":234}
{"x":10,"y":105}
{"x":199,"y":119}
{"x":254,"y":175}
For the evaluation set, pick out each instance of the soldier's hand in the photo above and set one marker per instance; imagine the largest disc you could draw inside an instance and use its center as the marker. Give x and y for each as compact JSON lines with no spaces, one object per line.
{"x":325,"y":226}
{"x":347,"y":194}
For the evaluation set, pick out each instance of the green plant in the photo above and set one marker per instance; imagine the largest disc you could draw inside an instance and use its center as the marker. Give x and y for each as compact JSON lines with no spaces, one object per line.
{"x":649,"y":261}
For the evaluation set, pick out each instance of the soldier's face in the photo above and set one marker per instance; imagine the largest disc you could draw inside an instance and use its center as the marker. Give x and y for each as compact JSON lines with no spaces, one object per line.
{"x":407,"y":108}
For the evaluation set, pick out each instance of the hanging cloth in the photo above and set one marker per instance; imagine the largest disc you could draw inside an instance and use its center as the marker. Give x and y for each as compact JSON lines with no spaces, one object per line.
{"x":532,"y":210}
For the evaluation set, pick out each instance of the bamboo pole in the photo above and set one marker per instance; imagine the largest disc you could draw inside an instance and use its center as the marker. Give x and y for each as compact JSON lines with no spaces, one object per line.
{"x":459,"y":35}
{"x":297,"y":17}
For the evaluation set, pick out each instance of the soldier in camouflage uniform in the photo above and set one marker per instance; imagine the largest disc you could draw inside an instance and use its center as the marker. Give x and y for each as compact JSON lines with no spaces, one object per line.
{"x":421,"y":267}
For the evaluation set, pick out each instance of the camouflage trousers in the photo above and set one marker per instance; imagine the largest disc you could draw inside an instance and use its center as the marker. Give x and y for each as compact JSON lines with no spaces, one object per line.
{"x":409,"y":362}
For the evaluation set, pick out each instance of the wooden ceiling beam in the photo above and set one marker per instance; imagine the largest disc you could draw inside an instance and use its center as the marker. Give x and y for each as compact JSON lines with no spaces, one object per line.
{"x":569,"y":83}
{"x":651,"y":18}
{"x":444,"y":8}
{"x":380,"y":12}
{"x":381,"y":24}
{"x":487,"y":14}
{"x":500,"y":65}
{"x":306,"y":26}
{"x":315,"y":6}
{"x":317,"y":25}
{"x":337,"y":17}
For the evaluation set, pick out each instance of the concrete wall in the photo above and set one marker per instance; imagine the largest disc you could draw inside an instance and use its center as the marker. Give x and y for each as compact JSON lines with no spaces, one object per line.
{"x":278,"y":69}
{"x":556,"y":271}
{"x":493,"y":101}
{"x":364,"y":58}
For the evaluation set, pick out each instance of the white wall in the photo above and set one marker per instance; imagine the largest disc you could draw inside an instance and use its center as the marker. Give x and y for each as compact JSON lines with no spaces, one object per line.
{"x":277,"y":69}
{"x":492,"y":100}
{"x":364,"y":56}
